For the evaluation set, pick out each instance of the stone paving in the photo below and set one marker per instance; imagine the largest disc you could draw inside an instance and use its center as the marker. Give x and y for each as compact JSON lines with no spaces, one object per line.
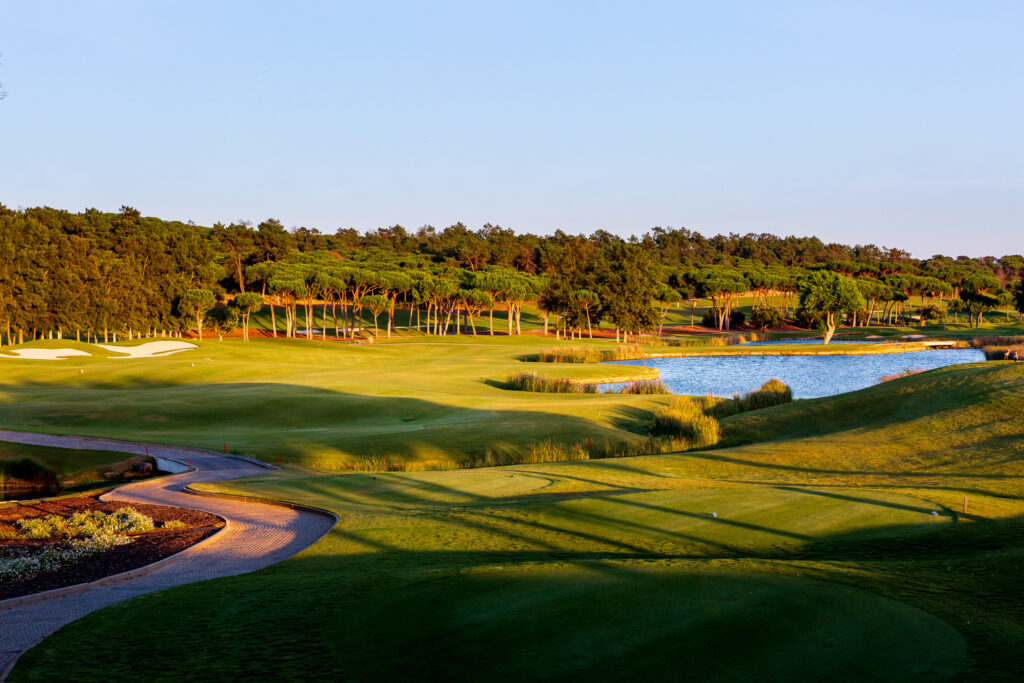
{"x":256,"y":536}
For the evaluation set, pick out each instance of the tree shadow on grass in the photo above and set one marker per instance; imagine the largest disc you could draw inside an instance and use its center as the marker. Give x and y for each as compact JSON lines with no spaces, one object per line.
{"x":322,"y":427}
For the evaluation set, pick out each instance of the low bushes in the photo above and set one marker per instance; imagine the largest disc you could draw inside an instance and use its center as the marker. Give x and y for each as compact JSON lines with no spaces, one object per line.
{"x":27,"y":473}
{"x":531,"y":381}
{"x":81,"y":534}
{"x":89,"y":524}
{"x":765,"y":315}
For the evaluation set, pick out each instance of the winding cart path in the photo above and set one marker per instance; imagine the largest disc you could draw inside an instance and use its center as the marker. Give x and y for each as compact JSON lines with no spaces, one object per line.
{"x":256,"y":536}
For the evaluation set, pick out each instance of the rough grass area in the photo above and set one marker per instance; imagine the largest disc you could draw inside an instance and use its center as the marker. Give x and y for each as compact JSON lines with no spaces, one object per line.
{"x":838,"y":527}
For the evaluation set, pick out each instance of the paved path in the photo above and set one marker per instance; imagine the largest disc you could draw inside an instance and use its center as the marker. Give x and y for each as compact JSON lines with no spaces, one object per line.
{"x":256,"y":536}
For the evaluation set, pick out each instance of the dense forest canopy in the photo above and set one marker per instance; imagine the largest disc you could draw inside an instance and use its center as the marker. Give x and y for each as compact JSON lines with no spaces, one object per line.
{"x":96,"y":274}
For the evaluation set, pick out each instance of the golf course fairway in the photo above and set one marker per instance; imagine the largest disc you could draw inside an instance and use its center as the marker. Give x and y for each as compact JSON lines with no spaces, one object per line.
{"x":875,"y":535}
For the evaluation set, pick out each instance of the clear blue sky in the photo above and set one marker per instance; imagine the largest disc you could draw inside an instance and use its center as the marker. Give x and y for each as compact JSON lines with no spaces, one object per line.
{"x":897,"y":123}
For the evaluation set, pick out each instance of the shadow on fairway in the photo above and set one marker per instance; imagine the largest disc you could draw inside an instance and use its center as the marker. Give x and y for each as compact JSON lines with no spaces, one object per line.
{"x":308,"y":425}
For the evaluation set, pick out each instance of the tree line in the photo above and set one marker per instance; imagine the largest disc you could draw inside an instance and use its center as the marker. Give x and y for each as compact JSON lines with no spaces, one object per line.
{"x":97,"y":275}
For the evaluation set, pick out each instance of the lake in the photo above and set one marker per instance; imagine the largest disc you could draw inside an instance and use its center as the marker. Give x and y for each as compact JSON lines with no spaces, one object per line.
{"x":807,"y":376}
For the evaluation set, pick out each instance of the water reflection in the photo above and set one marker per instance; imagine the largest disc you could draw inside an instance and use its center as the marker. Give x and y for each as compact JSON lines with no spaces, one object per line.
{"x":808,"y":376}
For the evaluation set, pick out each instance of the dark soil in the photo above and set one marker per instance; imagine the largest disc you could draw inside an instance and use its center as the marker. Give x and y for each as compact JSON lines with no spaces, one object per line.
{"x":145,"y":548}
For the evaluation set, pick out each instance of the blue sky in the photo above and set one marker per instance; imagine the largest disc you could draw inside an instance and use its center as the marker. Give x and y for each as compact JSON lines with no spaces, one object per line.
{"x":894,"y":123}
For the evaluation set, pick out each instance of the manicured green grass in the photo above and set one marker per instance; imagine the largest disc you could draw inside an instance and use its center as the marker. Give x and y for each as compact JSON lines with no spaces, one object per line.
{"x":822,"y":560}
{"x":419,"y":402}
{"x":430,"y":402}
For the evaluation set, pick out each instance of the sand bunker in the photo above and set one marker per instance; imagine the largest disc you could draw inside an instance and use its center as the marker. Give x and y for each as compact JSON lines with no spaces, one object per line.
{"x":43,"y":354}
{"x":148,"y":349}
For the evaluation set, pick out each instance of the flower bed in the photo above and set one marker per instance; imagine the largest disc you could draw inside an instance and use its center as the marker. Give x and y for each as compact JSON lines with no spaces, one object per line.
{"x":62,"y":542}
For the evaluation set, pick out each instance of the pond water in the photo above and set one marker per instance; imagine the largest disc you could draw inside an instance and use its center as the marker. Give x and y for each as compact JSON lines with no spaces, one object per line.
{"x":807,"y":376}
{"x":803,"y":341}
{"x":23,"y":494}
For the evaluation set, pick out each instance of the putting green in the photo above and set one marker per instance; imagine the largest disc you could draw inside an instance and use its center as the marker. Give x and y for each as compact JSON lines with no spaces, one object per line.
{"x":747,"y":518}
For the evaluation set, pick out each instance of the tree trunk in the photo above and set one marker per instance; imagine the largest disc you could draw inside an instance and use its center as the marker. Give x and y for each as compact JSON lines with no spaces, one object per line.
{"x":490,"y":324}
{"x":830,"y":327}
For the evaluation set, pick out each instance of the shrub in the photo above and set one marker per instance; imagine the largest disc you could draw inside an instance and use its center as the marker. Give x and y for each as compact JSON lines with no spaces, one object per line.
{"x":88,"y":524}
{"x":174,"y":524}
{"x":933,"y":314}
{"x":708,"y":320}
{"x":737,"y":318}
{"x":765,"y":316}
{"x":25,"y":564}
{"x":807,"y":320}
{"x":531,"y":381}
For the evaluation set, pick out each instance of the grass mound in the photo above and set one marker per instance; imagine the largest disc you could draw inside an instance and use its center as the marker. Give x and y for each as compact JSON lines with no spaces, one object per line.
{"x":938,"y":410}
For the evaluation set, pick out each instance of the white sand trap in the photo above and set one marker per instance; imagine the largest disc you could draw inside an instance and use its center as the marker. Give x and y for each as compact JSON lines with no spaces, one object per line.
{"x":44,"y":354}
{"x":914,"y":336}
{"x":148,"y":349}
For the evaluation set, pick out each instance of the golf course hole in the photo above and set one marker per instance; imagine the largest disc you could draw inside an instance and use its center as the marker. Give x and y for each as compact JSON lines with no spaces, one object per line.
{"x":748,"y":518}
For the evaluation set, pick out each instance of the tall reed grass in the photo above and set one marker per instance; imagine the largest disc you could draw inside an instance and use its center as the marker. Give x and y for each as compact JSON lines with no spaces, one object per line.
{"x":772,"y":393}
{"x":531,"y":381}
{"x":643,"y":386}
{"x":27,"y":473}
{"x":685,"y":418}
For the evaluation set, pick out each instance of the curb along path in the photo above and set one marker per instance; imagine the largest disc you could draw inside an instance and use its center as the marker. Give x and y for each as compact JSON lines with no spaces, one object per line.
{"x":256,"y":536}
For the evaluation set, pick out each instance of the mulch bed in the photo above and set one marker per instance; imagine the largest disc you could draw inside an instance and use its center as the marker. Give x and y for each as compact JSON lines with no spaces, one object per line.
{"x":145,"y":548}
